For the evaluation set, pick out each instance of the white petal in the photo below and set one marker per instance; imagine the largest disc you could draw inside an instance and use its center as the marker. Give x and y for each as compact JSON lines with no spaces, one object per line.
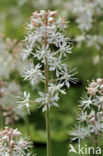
{"x":24,"y":93}
{"x":44,"y":108}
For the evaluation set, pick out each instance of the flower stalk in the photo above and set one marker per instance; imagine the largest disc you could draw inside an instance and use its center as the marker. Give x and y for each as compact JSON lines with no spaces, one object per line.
{"x":47,"y":42}
{"x":46,"y":91}
{"x":96,"y":140}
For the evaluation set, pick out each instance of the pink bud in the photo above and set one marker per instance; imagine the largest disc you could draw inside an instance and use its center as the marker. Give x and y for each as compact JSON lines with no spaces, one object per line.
{"x":100,"y":81}
{"x":101,"y":113}
{"x":42,"y":13}
{"x":90,"y":91}
{"x":93,"y":84}
{"x":35,"y":14}
{"x":35,"y":23}
{"x":92,"y":121}
{"x":5,"y":138}
{"x":53,"y":13}
{"x":12,"y":143}
{"x":101,"y":87}
{"x":51,"y":20}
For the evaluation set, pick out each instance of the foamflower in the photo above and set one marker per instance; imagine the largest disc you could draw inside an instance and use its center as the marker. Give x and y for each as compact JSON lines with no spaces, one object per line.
{"x":91,"y":116}
{"x":46,"y":46}
{"x":12,"y":143}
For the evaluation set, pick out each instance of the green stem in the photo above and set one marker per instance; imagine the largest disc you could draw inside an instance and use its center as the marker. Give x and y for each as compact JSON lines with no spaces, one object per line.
{"x":100,"y":63}
{"x":96,"y":142}
{"x":10,"y":151}
{"x":46,"y":90}
{"x":99,"y":52}
{"x":47,"y":114}
{"x":1,"y":117}
{"x":27,"y":126}
{"x":12,"y":119}
{"x":10,"y":145}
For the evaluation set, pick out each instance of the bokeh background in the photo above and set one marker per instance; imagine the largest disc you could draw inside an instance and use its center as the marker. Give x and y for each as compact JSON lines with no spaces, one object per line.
{"x":13,"y":15}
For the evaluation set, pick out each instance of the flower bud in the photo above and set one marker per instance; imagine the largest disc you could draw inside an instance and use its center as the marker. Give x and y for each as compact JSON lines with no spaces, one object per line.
{"x":5,"y":138}
{"x":35,"y":14}
{"x":100,"y":81}
{"x":93,"y":84}
{"x":42,"y":13}
{"x":53,"y":13}
{"x":90,"y":91}
{"x":92,"y":121}
{"x":63,"y":21}
{"x":12,"y":143}
{"x":101,"y":114}
{"x":101,"y":87}
{"x":51,"y":20}
{"x":35,"y":23}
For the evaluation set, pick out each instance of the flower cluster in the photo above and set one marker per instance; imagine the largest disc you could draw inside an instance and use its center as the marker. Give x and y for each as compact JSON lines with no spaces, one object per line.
{"x":94,"y":40}
{"x":47,"y":43}
{"x":90,"y":40}
{"x":10,"y":61}
{"x":12,"y":143}
{"x":91,"y":111}
{"x":8,"y":96}
{"x":10,"y":58}
{"x":87,"y":14}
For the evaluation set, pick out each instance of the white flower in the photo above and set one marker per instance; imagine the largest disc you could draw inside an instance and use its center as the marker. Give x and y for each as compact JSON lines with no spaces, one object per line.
{"x":57,"y":65}
{"x":80,"y":38}
{"x":82,"y":117}
{"x":61,"y":23}
{"x":86,"y":101}
{"x":94,"y":40}
{"x":33,"y":73}
{"x":96,"y":128}
{"x":24,"y":101}
{"x":80,"y":133}
{"x":42,"y":53}
{"x":47,"y":100}
{"x":92,"y":114}
{"x":64,"y":49}
{"x":99,"y":102}
{"x":56,"y":88}
{"x":55,"y":38}
{"x":26,"y":53}
{"x":67,"y":77}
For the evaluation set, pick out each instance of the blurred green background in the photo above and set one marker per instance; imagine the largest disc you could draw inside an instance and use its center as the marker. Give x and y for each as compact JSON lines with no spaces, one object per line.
{"x":13,"y":15}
